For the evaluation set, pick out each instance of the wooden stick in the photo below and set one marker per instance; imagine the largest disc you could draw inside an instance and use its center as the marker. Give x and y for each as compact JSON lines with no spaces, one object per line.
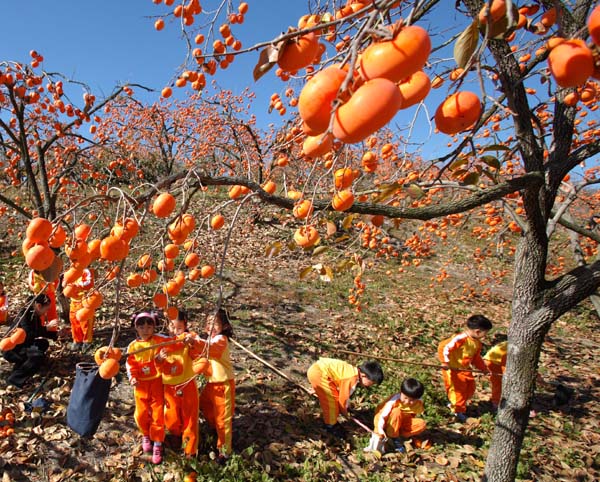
{"x":431,"y":365}
{"x":302,"y":387}
{"x":151,"y":347}
{"x":268,"y":365}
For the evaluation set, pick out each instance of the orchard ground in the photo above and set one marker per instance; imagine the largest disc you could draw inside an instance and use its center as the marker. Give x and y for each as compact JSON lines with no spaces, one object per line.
{"x":291,"y":322}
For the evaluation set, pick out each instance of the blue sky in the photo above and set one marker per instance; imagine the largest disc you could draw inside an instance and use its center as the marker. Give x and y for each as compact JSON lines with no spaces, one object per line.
{"x":114,"y":42}
{"x":111,"y":42}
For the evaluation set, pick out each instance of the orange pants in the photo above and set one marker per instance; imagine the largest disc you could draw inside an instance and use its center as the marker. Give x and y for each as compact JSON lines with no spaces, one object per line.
{"x":82,"y":331}
{"x":401,"y":424}
{"x":150,"y":408}
{"x":496,"y":372}
{"x":181,"y":414}
{"x":460,"y":387}
{"x":217,"y":402}
{"x":327,"y":392}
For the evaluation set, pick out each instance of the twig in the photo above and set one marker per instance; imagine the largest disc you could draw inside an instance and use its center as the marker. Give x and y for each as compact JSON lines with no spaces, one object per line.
{"x":431,"y":365}
{"x":268,"y":365}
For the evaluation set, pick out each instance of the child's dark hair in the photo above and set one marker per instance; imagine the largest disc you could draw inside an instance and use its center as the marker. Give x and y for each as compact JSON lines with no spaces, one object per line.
{"x":479,"y":322}
{"x":499,"y":338}
{"x":226,"y":327}
{"x":145,"y":315}
{"x":183,"y":317}
{"x":372,"y":371}
{"x":413,"y":388}
{"x":41,"y":299}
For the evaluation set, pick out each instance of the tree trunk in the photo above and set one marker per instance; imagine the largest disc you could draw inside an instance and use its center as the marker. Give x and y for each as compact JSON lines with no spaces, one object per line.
{"x":517,"y":394}
{"x":525,"y":338}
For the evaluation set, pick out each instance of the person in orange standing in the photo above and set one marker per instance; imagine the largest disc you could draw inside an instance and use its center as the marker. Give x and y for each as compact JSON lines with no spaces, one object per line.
{"x":217,"y":399}
{"x":147,"y":383}
{"x":334,"y":382}
{"x":174,"y":362}
{"x":457,"y":354}
{"x":495,"y":360}
{"x":82,"y":330}
{"x":37,"y":284}
{"x":3,"y":304}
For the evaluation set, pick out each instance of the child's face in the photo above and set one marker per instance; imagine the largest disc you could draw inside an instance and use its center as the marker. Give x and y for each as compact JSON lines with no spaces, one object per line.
{"x":478,"y":334}
{"x":365,"y":381}
{"x":144,"y":328}
{"x":177,"y":327}
{"x":214,"y":326}
{"x":405,"y":399}
{"x":41,"y":310}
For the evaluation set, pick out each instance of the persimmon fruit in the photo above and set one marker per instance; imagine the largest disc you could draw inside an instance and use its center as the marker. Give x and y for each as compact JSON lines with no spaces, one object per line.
{"x":371,"y":107}
{"x":571,"y":63}
{"x":163,"y":205}
{"x":317,"y":96}
{"x":458,"y":112}
{"x":398,"y":58}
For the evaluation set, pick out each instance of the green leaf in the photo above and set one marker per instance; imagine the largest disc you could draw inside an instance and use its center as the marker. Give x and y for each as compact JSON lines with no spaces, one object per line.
{"x":318,"y":250}
{"x":496,"y":147}
{"x":460,"y":173}
{"x":461,"y":161}
{"x":491,"y":161}
{"x":415,"y":191}
{"x":470,"y":179}
{"x":466,"y":44}
{"x":387,"y":190}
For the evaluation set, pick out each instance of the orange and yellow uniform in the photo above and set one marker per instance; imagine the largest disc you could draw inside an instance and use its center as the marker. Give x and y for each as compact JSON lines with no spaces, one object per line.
{"x":334,"y":381}
{"x":217,"y":400}
{"x":495,"y":360}
{"x":82,"y":330}
{"x":181,"y":393}
{"x":3,"y":307}
{"x":459,"y":353}
{"x":37,"y":284}
{"x":148,"y":391}
{"x":393,"y":418}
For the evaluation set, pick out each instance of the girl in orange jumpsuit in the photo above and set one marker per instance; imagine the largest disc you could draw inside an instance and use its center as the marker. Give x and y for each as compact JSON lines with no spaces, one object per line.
{"x":3,"y":304}
{"x":81,"y":329}
{"x":457,"y":354}
{"x":147,"y":382}
{"x":179,"y":382}
{"x":37,"y":284}
{"x":495,"y":360}
{"x":217,"y":400}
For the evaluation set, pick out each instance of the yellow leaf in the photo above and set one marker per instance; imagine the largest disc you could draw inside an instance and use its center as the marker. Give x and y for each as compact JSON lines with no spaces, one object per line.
{"x":305,"y":272}
{"x":331,"y":228}
{"x":318,"y":250}
{"x":348,"y":221}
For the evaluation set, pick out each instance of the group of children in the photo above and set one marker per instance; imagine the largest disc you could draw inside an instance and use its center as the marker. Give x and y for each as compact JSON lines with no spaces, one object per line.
{"x":396,"y":419}
{"x":163,"y":371}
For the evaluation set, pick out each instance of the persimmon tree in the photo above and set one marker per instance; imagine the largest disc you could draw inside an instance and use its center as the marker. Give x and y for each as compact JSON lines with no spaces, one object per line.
{"x":510,"y":89}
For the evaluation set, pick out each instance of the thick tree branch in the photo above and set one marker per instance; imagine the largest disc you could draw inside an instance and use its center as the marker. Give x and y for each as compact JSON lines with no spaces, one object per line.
{"x":479,"y":198}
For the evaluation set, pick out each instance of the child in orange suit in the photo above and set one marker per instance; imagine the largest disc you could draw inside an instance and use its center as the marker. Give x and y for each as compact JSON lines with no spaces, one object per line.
{"x":396,"y":419}
{"x":495,"y":360}
{"x":457,"y":354}
{"x":3,"y":304}
{"x":82,"y":330}
{"x":179,"y":383}
{"x":37,"y":284}
{"x":217,"y":400}
{"x":334,"y":382}
{"x":147,"y":383}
